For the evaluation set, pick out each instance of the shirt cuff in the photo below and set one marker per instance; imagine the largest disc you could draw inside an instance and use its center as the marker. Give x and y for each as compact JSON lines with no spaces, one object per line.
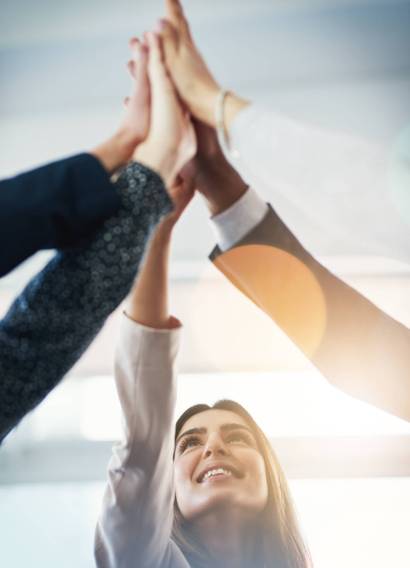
{"x":239,"y":219}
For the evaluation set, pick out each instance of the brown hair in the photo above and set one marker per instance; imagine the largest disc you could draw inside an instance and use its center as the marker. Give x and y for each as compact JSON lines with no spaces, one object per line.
{"x":279,"y":542}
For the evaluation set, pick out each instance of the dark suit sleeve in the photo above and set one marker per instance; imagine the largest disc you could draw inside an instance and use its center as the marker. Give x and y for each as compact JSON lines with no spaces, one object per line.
{"x":355,"y":345}
{"x":58,"y":314}
{"x":56,"y":206}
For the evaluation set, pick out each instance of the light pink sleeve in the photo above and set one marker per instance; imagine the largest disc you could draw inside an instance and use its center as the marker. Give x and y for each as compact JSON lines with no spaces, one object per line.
{"x":135,"y":523}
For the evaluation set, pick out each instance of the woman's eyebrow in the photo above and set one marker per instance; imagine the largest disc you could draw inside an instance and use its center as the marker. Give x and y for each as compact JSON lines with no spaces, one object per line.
{"x":191,"y":431}
{"x":235,"y":426}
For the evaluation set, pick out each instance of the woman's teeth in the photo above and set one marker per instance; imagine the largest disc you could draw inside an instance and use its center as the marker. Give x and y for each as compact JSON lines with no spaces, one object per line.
{"x":216,"y":472}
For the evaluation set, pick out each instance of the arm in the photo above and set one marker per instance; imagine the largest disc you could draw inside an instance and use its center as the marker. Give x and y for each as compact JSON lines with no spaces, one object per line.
{"x":322,"y":182}
{"x":59,"y":313}
{"x":61,"y":310}
{"x":63,"y":204}
{"x":357,"y":347}
{"x":136,"y":519}
{"x":55,"y":206}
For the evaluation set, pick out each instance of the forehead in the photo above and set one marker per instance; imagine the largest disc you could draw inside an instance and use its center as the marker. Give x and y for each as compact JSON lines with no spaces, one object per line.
{"x":212,"y":420}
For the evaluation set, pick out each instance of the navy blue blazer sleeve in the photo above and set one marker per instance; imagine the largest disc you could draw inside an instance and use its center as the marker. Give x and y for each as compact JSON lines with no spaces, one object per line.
{"x":58,"y":314}
{"x":58,"y":205}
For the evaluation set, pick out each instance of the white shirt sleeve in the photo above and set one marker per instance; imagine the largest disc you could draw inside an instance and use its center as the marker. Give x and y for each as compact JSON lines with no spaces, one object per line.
{"x":239,"y":219}
{"x":337,"y":193}
{"x":135,"y":524}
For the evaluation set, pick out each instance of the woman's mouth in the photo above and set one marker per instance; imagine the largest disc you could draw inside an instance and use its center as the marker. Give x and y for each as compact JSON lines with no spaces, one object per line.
{"x":215,"y":473}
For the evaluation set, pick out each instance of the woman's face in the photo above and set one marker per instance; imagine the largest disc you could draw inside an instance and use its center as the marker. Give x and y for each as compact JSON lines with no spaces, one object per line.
{"x":218,"y":464}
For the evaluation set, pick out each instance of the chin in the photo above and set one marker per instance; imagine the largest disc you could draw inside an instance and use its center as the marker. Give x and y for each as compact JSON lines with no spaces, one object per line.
{"x":222,"y":500}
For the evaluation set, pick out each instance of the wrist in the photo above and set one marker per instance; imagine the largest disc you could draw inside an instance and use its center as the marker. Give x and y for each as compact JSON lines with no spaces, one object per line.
{"x":116,"y":151}
{"x":233,"y":106}
{"x":163,"y":163}
{"x":163,"y":233}
{"x":219,"y":204}
{"x":206,"y":110}
{"x":223,"y":187}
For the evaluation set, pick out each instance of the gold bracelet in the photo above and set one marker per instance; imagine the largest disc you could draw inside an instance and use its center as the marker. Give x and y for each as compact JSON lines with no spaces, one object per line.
{"x":219,"y":119}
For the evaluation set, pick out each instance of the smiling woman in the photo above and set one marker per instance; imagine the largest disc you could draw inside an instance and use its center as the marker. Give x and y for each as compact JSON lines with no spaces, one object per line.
{"x":211,"y":495}
{"x":231,"y":492}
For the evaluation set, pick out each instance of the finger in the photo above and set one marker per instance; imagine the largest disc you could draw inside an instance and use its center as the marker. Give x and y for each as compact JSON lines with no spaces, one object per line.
{"x":175,"y":14}
{"x":135,"y":47}
{"x":173,"y":11}
{"x":168,"y":33}
{"x":156,"y":68}
{"x":132,"y":68}
{"x":142,"y":67}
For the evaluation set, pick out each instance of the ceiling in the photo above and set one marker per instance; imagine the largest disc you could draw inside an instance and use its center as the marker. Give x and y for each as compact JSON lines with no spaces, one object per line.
{"x":341,"y":64}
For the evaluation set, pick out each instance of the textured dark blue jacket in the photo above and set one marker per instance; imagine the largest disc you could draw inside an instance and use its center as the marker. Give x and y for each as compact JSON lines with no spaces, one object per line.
{"x":56,"y":206}
{"x":58,"y":314}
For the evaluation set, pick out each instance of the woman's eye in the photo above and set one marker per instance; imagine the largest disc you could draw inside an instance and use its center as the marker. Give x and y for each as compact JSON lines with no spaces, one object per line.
{"x":189,"y":442}
{"x":238,"y":437}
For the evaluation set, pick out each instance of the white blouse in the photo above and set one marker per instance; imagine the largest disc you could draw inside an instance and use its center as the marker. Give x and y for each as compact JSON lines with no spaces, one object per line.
{"x":337,"y":194}
{"x":135,"y":524}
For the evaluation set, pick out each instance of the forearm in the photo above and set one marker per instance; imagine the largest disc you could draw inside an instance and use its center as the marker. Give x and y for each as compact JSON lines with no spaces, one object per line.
{"x":224,"y":189}
{"x":136,"y":517}
{"x":116,"y":151}
{"x":356,"y":346}
{"x":54,"y":206}
{"x":148,"y":301}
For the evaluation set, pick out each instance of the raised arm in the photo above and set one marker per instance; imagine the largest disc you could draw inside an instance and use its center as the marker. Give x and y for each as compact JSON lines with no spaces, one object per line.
{"x":319,"y":181}
{"x":356,"y":346}
{"x":59,"y":313}
{"x":136,"y":518}
{"x":62,"y":205}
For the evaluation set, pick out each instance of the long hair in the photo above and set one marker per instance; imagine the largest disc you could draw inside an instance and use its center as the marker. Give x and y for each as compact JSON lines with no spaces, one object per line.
{"x":279,"y":543}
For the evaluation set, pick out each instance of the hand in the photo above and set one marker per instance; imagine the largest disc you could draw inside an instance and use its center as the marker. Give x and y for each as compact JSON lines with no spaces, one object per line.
{"x":181,"y":193}
{"x":211,"y":174}
{"x":192,"y":78}
{"x":171,"y":139}
{"x":138,"y":104}
{"x":118,"y":149}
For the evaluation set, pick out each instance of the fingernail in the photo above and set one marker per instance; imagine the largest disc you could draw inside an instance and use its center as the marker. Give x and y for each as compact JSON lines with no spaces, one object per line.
{"x":162,"y":24}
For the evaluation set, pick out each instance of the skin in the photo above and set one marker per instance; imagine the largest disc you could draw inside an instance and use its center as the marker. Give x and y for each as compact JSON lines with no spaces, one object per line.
{"x":148,"y":301}
{"x":171,"y":142}
{"x":211,"y":174}
{"x":194,"y":81}
{"x":207,"y":171}
{"x":134,"y":126}
{"x":155,"y":131}
{"x":223,"y":509}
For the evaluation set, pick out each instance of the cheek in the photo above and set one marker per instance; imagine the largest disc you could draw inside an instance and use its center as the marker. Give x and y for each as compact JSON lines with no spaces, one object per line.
{"x":183,"y":469}
{"x":256,"y":466}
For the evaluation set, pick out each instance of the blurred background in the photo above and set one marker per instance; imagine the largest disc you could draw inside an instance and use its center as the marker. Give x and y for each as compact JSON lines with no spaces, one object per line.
{"x":342,"y":64}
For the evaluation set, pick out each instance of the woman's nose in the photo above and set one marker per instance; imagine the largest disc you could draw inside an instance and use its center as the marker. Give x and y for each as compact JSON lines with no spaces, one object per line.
{"x":215,"y":447}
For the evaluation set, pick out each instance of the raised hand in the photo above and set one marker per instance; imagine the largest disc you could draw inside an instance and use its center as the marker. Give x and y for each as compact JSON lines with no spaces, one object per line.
{"x":133,"y":129}
{"x":195,"y":83}
{"x":138,"y":104}
{"x":171,"y":142}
